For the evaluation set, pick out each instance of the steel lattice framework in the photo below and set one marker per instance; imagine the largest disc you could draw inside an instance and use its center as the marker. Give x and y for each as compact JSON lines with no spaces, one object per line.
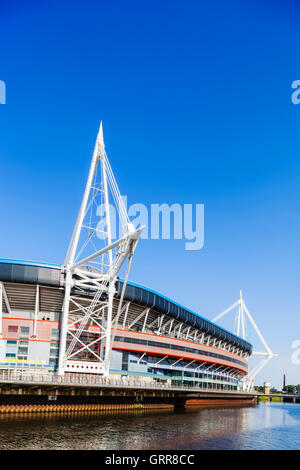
{"x":92,"y":263}
{"x":240,"y":321}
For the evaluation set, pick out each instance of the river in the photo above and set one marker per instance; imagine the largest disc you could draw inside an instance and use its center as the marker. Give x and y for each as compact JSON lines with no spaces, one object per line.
{"x":264,"y":426}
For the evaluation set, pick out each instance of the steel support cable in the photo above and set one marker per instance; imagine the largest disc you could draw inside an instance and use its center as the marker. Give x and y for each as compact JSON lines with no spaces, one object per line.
{"x":114,"y":185}
{"x":121,"y":210}
{"x":116,"y":193}
{"x":91,"y":233}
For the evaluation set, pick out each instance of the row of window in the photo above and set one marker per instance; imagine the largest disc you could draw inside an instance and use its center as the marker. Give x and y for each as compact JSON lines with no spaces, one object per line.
{"x":52,"y":361}
{"x":205,"y":385}
{"x":54,"y":350}
{"x":181,"y":375}
{"x":24,"y":331}
{"x":177,"y":347}
{"x":134,"y":361}
{"x":22,"y":351}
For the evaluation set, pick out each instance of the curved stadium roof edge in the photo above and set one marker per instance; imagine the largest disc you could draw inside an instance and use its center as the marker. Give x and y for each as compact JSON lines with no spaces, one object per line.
{"x":29,"y":263}
{"x":179,"y":305}
{"x":134,"y":292}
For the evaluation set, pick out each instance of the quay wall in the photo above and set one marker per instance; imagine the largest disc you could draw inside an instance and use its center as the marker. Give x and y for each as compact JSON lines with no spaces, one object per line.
{"x":39,"y":398}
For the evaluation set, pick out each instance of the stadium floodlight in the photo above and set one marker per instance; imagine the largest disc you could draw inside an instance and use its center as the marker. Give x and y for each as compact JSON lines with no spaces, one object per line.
{"x":91,"y":265}
{"x":242,"y":313}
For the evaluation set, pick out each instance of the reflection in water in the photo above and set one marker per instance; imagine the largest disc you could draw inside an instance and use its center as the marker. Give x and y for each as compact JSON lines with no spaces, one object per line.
{"x":266,"y":426}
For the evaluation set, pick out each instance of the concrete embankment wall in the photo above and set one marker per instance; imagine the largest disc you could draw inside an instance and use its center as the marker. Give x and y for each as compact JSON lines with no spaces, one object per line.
{"x":22,"y":400}
{"x":220,"y":401}
{"x":61,"y":403}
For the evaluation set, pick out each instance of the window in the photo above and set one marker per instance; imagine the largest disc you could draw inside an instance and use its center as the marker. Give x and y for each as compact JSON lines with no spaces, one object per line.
{"x":24,"y":333}
{"x":54,"y":352}
{"x":125,"y":360}
{"x":55,"y":333}
{"x":22,"y":358}
{"x":12,"y":329}
{"x":22,"y":350}
{"x":10,"y":355}
{"x":11,"y":342}
{"x":52,"y":362}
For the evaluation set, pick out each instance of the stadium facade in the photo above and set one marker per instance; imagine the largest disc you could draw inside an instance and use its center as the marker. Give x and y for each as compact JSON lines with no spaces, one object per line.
{"x":155,"y":339}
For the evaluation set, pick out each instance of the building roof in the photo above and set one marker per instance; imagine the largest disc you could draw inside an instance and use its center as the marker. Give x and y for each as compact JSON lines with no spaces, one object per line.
{"x":149,"y":298}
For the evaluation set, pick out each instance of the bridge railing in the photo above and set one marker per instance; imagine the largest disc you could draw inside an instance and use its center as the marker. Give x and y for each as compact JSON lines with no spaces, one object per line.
{"x":94,"y":380}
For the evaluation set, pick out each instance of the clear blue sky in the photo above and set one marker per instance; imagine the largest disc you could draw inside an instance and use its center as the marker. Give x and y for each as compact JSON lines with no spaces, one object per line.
{"x":195,"y":98}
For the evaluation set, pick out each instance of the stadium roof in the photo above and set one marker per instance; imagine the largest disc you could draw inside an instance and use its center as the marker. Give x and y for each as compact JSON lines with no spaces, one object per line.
{"x":30,"y":272}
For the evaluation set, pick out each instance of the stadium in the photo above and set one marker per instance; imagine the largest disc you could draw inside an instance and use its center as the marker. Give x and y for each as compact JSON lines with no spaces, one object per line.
{"x":156,"y":339}
{"x":83,"y":319}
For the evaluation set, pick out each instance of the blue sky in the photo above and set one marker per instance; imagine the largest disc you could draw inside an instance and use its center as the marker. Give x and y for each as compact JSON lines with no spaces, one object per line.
{"x":195,"y":99}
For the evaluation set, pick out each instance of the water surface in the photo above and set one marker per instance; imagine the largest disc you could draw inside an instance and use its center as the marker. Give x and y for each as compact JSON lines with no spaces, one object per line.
{"x":264,"y":426}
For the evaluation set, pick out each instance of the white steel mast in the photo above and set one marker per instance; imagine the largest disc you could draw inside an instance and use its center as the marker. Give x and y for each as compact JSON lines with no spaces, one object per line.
{"x":266,"y":355}
{"x":91,"y":266}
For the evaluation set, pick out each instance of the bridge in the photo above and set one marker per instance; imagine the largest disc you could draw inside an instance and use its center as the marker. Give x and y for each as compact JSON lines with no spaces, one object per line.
{"x":284,"y":397}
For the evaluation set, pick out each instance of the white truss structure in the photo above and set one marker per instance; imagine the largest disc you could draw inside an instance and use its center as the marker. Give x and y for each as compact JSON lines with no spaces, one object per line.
{"x":240,"y":330}
{"x":92,"y":263}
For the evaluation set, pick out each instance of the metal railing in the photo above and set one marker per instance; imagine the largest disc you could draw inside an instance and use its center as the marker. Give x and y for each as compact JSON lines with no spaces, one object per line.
{"x":18,"y":376}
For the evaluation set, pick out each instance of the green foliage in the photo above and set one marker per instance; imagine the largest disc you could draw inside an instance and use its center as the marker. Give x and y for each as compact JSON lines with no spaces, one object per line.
{"x":292,"y":388}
